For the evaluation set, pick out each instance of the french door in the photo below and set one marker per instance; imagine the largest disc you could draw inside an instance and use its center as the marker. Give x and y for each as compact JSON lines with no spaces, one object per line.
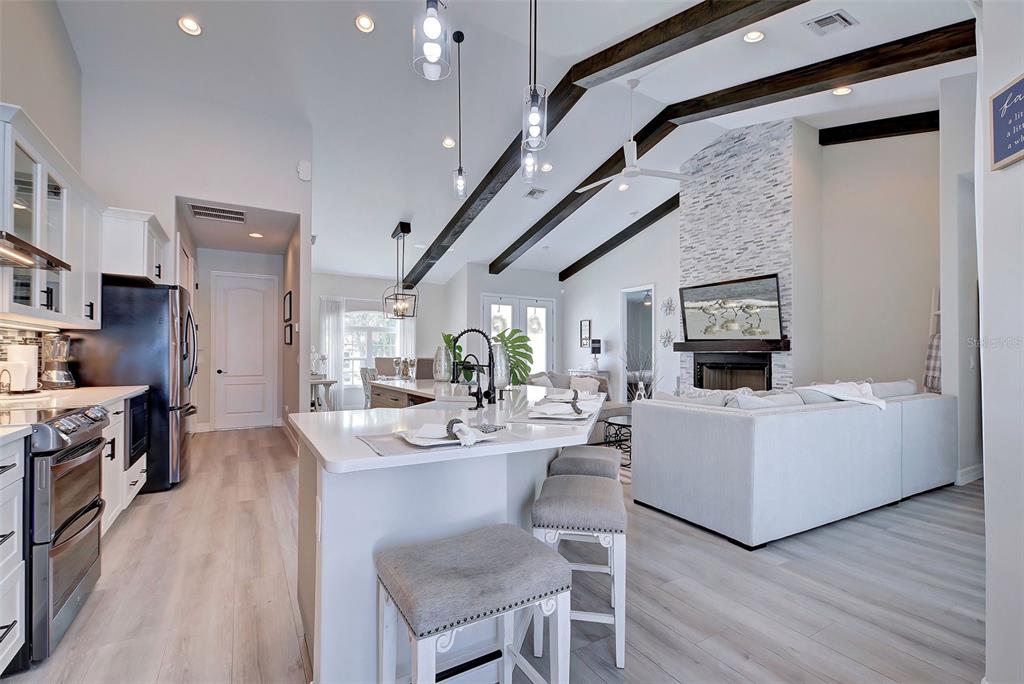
{"x":535,"y":317}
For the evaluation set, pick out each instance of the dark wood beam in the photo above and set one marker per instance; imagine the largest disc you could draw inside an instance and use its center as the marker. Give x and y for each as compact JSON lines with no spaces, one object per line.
{"x":628,"y":233}
{"x":699,"y":24}
{"x":946,"y":44}
{"x":922,"y":122}
{"x":939,"y":46}
{"x":649,"y":136}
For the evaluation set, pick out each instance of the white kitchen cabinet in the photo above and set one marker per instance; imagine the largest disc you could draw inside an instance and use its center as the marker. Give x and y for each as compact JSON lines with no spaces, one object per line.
{"x":112,"y":474}
{"x":13,"y":453}
{"x":45,"y":203}
{"x":134,"y":478}
{"x":134,"y":244}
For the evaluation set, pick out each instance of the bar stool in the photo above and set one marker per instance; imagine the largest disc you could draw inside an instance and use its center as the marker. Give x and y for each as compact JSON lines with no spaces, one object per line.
{"x":586,"y":508}
{"x":440,"y":587}
{"x":585,"y":459}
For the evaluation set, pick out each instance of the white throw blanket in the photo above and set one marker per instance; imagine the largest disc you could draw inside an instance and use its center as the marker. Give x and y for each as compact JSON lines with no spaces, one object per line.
{"x":859,"y":392}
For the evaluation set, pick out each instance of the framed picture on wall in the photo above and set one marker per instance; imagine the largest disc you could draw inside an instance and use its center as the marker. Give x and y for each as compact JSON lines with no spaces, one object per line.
{"x":288,"y":334}
{"x":585,"y":333}
{"x":288,"y":307}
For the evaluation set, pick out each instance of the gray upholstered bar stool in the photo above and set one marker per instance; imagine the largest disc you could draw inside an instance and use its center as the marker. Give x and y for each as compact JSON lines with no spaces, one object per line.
{"x":585,"y":459}
{"x":440,"y":587}
{"x":586,"y":508}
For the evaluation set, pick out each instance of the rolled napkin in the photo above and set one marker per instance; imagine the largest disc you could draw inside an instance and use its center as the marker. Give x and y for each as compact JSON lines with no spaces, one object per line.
{"x":560,"y":409}
{"x":467,"y":435}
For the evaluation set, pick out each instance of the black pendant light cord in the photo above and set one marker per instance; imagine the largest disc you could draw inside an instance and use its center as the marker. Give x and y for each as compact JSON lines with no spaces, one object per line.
{"x":532,"y":75}
{"x":459,"y":37}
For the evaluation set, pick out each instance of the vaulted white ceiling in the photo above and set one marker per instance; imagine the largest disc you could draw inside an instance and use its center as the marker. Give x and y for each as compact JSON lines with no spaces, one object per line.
{"x":377,"y":126}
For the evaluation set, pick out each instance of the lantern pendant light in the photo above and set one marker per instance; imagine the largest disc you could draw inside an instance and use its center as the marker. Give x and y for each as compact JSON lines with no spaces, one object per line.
{"x":432,"y":50}
{"x":399,"y":301}
{"x":459,"y":182}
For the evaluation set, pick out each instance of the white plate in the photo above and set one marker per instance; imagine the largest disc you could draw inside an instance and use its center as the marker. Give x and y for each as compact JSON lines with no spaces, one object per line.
{"x":563,"y":416}
{"x":409,"y":437}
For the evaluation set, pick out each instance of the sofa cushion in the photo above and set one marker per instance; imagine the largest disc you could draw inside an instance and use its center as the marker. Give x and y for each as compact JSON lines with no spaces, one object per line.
{"x":585,"y":384}
{"x":750,"y":402}
{"x":540,"y":380}
{"x":898,"y":388}
{"x":713,"y":399}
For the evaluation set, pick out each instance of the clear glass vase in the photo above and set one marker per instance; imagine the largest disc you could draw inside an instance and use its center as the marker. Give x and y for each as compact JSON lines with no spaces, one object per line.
{"x":443,"y":362}
{"x":502,"y":372}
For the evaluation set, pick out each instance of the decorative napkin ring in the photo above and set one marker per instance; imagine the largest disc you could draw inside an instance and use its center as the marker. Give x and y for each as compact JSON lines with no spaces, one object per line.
{"x":451,"y":428}
{"x":575,"y":395}
{"x":575,"y":407}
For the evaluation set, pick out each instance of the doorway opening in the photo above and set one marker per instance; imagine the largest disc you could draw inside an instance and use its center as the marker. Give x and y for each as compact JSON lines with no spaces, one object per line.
{"x":535,"y":317}
{"x":639,"y":361}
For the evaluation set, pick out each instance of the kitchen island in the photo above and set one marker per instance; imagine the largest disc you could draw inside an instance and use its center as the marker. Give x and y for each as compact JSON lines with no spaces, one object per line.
{"x":354,"y":503}
{"x":398,"y":393}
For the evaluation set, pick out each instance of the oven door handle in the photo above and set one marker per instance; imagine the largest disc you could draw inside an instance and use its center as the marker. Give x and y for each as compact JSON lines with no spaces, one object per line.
{"x":94,"y":452}
{"x":58,"y":548}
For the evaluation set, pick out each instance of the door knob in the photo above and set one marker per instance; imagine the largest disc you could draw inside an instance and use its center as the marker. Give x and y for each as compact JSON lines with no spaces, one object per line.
{"x":219,"y":371}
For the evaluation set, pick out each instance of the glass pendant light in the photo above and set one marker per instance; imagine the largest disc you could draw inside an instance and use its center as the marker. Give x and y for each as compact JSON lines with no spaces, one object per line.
{"x":529,"y":164}
{"x":535,"y":97}
{"x":432,"y":50}
{"x":459,"y":182}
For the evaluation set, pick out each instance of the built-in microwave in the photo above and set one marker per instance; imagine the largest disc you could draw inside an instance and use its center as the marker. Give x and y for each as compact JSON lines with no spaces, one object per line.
{"x":138,"y":429}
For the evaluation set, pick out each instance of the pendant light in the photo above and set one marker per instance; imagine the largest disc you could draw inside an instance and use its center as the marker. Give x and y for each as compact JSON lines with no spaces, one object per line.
{"x":432,"y":51}
{"x":535,"y":110}
{"x":400,"y":302}
{"x":459,"y":181}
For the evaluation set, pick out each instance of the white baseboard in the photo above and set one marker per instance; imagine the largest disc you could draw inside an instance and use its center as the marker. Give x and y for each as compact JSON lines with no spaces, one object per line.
{"x":969,"y":474}
{"x":202,"y":427}
{"x":289,"y":430}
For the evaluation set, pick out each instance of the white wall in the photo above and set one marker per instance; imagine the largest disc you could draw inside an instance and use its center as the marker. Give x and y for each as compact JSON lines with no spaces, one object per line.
{"x":295,"y":355}
{"x":807,"y":327}
{"x":40,"y":73}
{"x":880,"y":256}
{"x":210,"y":260}
{"x":1000,"y":245}
{"x":595,"y":293}
{"x":958,"y":258}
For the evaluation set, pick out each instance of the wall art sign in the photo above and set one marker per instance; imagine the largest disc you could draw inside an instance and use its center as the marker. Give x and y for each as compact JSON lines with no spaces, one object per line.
{"x":1007,"y":113}
{"x":585,"y":333}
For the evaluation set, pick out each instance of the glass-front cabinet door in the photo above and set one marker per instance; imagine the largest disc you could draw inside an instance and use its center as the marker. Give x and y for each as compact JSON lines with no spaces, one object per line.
{"x":52,"y":290}
{"x":26,"y":217}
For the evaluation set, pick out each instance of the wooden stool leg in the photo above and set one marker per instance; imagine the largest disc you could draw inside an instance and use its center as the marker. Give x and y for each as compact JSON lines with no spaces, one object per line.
{"x":619,"y":592}
{"x":507,"y":632}
{"x":559,"y":650}
{"x":387,"y":625}
{"x":424,"y":660}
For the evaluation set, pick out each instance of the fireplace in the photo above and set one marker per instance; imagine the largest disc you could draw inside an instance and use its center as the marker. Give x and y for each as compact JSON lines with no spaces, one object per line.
{"x":732,"y":370}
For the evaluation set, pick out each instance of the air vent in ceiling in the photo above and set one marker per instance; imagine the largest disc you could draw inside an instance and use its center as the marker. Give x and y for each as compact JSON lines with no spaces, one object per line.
{"x":217,"y":213}
{"x":831,"y":22}
{"x":535,"y":193}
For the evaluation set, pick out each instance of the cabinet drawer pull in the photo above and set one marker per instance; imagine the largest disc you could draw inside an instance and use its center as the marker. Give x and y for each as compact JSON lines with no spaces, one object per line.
{"x":91,"y":308}
{"x":4,"y":469}
{"x":4,"y":538}
{"x":158,"y":269}
{"x":112,"y":443}
{"x":142,"y":472}
{"x":117,"y":413}
{"x":133,"y":483}
{"x":7,"y":630}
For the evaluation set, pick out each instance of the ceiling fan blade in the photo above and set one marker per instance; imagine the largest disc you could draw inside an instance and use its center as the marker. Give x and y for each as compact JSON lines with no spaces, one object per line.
{"x":629,"y":149}
{"x":587,"y":188}
{"x":662,"y":174}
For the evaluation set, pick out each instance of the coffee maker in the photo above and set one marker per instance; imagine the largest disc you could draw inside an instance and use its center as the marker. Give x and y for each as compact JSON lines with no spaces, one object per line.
{"x":56,"y":375}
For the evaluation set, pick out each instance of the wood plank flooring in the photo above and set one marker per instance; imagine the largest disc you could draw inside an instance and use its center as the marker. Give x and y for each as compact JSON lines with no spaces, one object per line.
{"x":893,"y":595}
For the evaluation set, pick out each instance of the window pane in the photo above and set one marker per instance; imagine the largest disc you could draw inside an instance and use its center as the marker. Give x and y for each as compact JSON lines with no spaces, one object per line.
{"x":537,"y":331}
{"x":501,"y":317}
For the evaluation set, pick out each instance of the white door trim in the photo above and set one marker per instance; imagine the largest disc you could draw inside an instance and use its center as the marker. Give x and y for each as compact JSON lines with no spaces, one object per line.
{"x":622,"y":331}
{"x":276,"y":375}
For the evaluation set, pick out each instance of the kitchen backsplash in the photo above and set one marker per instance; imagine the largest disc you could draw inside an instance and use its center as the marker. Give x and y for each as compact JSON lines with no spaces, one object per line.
{"x":21,"y":337}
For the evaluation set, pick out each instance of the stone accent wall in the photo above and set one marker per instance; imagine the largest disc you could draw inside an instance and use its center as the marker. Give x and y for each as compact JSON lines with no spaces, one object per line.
{"x":736,"y":220}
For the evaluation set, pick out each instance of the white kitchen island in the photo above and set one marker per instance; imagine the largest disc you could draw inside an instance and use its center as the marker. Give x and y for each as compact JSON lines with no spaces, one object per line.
{"x":353,"y":503}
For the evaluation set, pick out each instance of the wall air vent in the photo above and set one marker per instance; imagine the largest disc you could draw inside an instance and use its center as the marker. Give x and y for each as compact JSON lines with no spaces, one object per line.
{"x":831,"y":22}
{"x":535,"y":193}
{"x":217,"y":213}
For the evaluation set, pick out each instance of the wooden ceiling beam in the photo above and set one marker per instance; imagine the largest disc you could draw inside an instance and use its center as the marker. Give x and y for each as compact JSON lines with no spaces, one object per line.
{"x":699,"y":24}
{"x":946,"y":44}
{"x":627,"y":233}
{"x":908,"y":124}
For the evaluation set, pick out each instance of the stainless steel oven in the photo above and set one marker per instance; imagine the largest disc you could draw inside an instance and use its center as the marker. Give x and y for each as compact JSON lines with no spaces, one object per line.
{"x":66,"y":510}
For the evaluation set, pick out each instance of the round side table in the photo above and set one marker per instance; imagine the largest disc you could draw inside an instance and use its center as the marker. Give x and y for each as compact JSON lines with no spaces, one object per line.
{"x":618,"y":432}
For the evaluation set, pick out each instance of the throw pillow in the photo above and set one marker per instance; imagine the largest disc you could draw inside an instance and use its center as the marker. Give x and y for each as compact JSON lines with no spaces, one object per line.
{"x":899,"y":388}
{"x":584,"y":384}
{"x":540,"y":379}
{"x":716,"y":398}
{"x":751,"y":402}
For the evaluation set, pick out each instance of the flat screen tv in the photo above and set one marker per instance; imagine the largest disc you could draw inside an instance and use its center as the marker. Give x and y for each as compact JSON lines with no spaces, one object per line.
{"x":742,"y":309}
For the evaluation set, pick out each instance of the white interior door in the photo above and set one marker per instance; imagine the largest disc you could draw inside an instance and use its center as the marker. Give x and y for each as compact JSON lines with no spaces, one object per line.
{"x":535,"y":317}
{"x":245,"y":350}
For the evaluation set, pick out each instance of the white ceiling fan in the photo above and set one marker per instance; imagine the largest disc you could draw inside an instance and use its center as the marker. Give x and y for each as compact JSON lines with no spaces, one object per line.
{"x":632,"y":170}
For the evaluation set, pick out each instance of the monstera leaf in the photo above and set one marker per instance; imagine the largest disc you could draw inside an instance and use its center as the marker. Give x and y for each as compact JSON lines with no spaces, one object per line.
{"x":456,"y":353}
{"x":520,"y":354}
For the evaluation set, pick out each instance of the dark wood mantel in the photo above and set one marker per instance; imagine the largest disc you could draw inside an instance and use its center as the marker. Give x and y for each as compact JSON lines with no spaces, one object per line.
{"x":733,"y":346}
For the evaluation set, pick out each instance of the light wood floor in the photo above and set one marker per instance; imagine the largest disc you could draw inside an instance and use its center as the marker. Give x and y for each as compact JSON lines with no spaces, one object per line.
{"x":896,"y":594}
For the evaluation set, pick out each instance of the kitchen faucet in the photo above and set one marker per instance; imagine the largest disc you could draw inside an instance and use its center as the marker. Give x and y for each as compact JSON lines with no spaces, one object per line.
{"x":459,"y":366}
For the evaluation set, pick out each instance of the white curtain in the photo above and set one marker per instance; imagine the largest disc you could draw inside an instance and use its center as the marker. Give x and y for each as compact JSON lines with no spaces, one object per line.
{"x":332,"y":343}
{"x":407,"y":338}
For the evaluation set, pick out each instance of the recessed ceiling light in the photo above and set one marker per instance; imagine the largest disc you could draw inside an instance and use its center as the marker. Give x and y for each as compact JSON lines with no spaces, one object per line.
{"x":546,"y":167}
{"x":364,"y":23}
{"x":843,"y":90}
{"x":753,"y":37}
{"x":190,"y":26}
{"x":448,"y":142}
{"x":623,"y":187}
{"x":255,"y":235}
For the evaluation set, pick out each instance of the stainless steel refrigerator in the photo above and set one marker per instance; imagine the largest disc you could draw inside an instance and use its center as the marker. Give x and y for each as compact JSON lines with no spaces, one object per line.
{"x":147,"y":337}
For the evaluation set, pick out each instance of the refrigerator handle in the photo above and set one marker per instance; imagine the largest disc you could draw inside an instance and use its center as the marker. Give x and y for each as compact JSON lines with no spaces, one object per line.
{"x":192,"y":345}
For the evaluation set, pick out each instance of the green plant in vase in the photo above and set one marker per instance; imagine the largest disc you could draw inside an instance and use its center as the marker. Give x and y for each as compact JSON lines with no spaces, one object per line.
{"x":447,"y":338}
{"x":520,"y":354}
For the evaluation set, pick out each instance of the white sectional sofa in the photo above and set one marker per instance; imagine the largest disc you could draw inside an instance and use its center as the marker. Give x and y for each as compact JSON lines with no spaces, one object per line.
{"x":755,"y":476}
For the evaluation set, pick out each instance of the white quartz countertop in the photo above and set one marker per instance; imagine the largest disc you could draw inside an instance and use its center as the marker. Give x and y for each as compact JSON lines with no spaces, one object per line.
{"x":333,"y":436}
{"x":69,"y":398}
{"x":428,"y":389}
